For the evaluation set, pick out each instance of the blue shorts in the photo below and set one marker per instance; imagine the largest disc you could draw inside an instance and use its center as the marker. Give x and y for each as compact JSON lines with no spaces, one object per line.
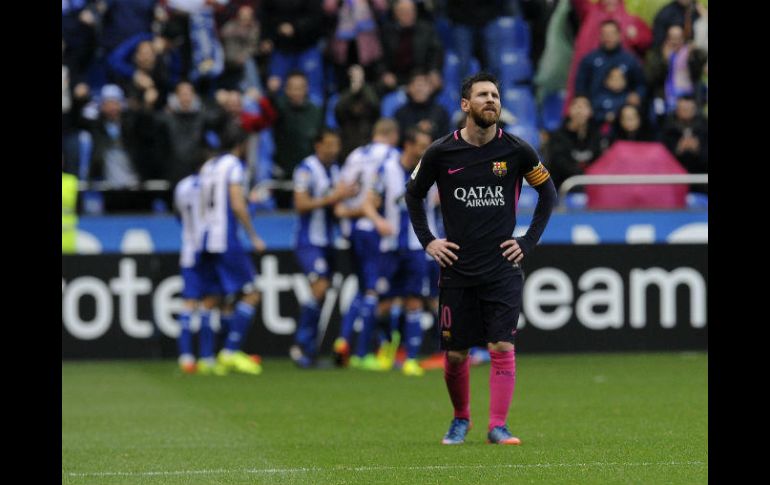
{"x":366,"y":254}
{"x":404,"y":271}
{"x":232,"y":271}
{"x":197,"y":285}
{"x":315,"y":261}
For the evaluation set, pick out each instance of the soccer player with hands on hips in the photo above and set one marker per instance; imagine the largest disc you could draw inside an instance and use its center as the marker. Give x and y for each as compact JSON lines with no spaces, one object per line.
{"x":479,"y":171}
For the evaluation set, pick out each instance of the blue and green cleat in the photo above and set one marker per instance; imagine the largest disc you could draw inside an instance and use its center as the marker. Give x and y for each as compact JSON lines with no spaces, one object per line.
{"x":457,"y":432}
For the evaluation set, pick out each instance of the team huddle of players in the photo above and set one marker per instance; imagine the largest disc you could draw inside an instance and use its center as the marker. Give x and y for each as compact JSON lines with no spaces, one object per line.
{"x":363,"y":201}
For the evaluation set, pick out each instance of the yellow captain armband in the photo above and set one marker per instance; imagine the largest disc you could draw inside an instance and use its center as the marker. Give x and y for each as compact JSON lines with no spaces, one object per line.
{"x":537,"y":175}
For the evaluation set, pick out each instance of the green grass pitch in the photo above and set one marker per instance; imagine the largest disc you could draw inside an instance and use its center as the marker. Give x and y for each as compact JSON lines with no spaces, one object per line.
{"x":583,"y":419}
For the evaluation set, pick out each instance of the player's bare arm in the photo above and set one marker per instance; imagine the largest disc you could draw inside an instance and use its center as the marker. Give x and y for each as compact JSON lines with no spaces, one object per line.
{"x":369,"y":208}
{"x":238,"y":204}
{"x":303,"y":202}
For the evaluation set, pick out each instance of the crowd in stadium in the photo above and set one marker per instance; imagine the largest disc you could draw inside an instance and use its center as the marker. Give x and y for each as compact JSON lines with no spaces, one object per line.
{"x":149,"y":86}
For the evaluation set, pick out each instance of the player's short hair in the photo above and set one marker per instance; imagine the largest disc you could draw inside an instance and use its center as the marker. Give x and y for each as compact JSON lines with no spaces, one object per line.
{"x":385,"y":126}
{"x":686,"y":97}
{"x":411,"y":134}
{"x":232,"y":136}
{"x":415,"y":73}
{"x":482,"y":76}
{"x":296,"y":73}
{"x":324,"y":132}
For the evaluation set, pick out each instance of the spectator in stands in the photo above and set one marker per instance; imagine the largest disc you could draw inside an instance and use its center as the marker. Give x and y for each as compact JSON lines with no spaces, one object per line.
{"x":69,"y":136}
{"x":421,"y":110}
{"x":700,"y":29}
{"x":574,"y":146}
{"x":598,"y":63}
{"x":186,"y":122}
{"x":470,"y":21}
{"x":685,"y":134}
{"x":292,"y":32}
{"x":78,"y":30}
{"x":634,"y":34}
{"x":356,"y":111}
{"x":138,"y":64}
{"x":123,"y":19}
{"x":126,"y":145}
{"x":408,"y":43}
{"x":672,"y":70}
{"x":630,"y":125}
{"x":295,"y":129}
{"x":678,"y":12}
{"x":240,"y":38}
{"x":611,"y":96}
{"x":355,"y":37}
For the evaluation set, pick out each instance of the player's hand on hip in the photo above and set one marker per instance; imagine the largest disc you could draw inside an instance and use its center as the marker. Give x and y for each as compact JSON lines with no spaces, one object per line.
{"x":259,"y":244}
{"x":513,"y":251}
{"x":441,"y":251}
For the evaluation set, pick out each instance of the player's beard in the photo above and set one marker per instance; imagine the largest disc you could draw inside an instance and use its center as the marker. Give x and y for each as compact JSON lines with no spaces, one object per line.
{"x":484,"y":118}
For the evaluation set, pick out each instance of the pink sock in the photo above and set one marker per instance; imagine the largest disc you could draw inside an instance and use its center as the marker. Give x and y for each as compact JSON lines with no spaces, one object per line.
{"x":457,"y":377}
{"x":502,"y":378}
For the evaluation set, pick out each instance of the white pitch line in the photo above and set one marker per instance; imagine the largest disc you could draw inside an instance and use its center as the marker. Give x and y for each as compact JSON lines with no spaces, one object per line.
{"x":383,"y":468}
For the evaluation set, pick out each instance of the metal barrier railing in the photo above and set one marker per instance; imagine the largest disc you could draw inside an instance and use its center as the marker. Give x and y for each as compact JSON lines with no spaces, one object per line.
{"x":635,"y":179}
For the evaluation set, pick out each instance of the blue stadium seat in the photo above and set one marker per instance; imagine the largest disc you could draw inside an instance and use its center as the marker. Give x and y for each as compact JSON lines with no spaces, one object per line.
{"x":576,"y":200}
{"x":449,"y":99}
{"x":697,"y":200}
{"x":392,"y":101}
{"x":443,"y":29}
{"x":527,"y":197}
{"x":521,"y":103}
{"x":513,"y":33}
{"x":526,"y":131}
{"x":331,"y":103}
{"x":551,"y":109}
{"x":515,"y":67}
{"x":451,"y":71}
{"x":265,"y":154}
{"x":85,"y":146}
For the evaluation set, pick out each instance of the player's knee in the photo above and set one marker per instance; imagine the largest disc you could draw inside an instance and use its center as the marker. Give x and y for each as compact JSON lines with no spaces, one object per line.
{"x":251,"y":298}
{"x":500,"y":347}
{"x":456,"y":356}
{"x":413,"y":304}
{"x":209,"y":302}
{"x":318,"y":289}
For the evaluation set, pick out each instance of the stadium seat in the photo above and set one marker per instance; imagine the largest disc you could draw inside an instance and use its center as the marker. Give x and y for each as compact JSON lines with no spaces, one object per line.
{"x":696,"y":200}
{"x":513,"y":33}
{"x":331,"y":103}
{"x":526,"y":131}
{"x":85,"y":145}
{"x":551,"y":109}
{"x":449,"y":99}
{"x":265,"y":154}
{"x":451,"y":71}
{"x":527,"y":197}
{"x":576,"y":200}
{"x":521,"y":103}
{"x":443,"y":29}
{"x":515,"y":67}
{"x":392,"y":101}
